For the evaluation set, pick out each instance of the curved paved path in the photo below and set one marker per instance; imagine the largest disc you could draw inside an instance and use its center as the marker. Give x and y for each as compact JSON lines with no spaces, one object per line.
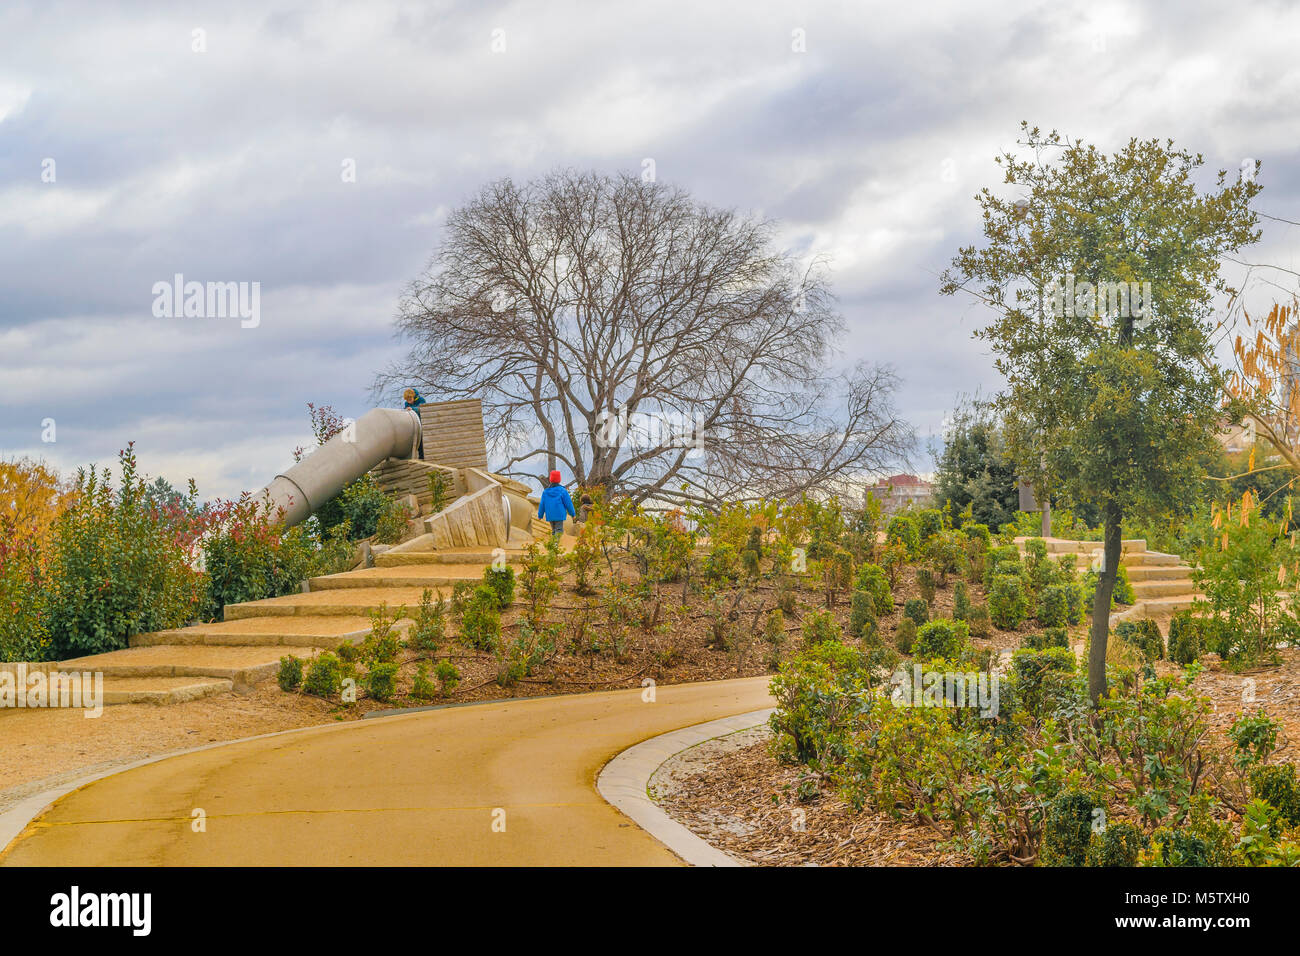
{"x":418,"y":789}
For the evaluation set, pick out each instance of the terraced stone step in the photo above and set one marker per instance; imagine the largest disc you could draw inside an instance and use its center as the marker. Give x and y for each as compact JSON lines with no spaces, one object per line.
{"x":343,"y":602}
{"x":242,"y":667}
{"x":1158,"y":572}
{"x":1156,"y":607}
{"x":162,"y":690}
{"x":1066,"y":546}
{"x":396,"y":559}
{"x":407,"y":575}
{"x":285,"y":631}
{"x":1169,"y":588}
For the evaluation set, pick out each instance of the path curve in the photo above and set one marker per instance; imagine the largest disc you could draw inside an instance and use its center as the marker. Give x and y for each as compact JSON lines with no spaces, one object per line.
{"x":417,"y":789}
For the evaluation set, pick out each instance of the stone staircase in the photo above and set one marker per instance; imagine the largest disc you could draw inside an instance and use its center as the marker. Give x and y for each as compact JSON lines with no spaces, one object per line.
{"x":244,"y":649}
{"x":1162,"y":584}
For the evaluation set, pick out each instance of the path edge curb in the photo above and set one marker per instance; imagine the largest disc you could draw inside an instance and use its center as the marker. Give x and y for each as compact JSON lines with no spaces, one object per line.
{"x":623,"y":783}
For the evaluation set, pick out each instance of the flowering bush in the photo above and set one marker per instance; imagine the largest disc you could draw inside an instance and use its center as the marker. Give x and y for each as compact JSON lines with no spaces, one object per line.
{"x":121,"y":563}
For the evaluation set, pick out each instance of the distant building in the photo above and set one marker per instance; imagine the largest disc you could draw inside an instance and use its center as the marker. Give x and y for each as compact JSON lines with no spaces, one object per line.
{"x":1236,"y":438}
{"x":900,"y":492}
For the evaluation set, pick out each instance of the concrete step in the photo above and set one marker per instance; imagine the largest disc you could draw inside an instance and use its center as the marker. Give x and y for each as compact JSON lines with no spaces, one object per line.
{"x":285,"y":631}
{"x":344,"y":602}
{"x":242,"y":667}
{"x":478,"y":557}
{"x":161,"y":690}
{"x":1156,"y":607}
{"x":401,"y":576}
{"x":1158,"y":572}
{"x":1152,"y":558}
{"x":1065,"y":546}
{"x":1157,"y":589}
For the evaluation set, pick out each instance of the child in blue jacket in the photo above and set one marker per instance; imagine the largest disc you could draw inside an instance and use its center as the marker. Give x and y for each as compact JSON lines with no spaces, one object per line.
{"x":556,"y":505}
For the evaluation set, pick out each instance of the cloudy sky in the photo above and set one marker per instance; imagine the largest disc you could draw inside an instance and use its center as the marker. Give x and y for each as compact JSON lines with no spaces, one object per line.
{"x":142,"y":140}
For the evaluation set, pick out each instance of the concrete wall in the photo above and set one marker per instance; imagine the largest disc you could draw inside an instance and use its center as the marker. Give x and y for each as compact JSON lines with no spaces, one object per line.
{"x":453,"y":433}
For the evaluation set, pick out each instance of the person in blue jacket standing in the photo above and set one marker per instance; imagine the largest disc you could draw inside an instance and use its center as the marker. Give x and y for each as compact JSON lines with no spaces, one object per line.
{"x":556,"y":505}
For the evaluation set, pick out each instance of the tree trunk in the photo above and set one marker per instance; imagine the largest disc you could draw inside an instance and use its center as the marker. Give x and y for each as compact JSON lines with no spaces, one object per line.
{"x":1100,"y":630}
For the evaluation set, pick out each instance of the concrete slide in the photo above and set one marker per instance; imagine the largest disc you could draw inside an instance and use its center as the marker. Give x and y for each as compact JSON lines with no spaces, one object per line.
{"x":379,"y":434}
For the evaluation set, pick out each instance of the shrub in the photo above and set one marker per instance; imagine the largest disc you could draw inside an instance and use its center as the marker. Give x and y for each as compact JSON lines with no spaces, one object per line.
{"x":720,"y":564}
{"x":1254,"y":738}
{"x":1186,"y":638}
{"x":119,"y":564}
{"x":1048,"y":637}
{"x":324,"y":676}
{"x":786,"y":598}
{"x":925,"y":584}
{"x":1008,"y":604}
{"x":862,"y":615}
{"x":290,"y":676}
{"x":960,"y":602}
{"x":929,"y":522}
{"x":774,"y":627}
{"x":1115,"y":844}
{"x":1067,"y":827}
{"x":502,"y":582}
{"x":24,"y":625}
{"x":979,"y":621}
{"x":1042,"y":678}
{"x":1054,"y":604}
{"x":422,"y":688}
{"x":945,"y":639}
{"x":361,"y":504}
{"x":817,"y":696}
{"x":381,"y":644}
{"x":430,"y":627}
{"x":872,"y":579}
{"x":381,"y":680}
{"x":820,"y":627}
{"x":539,"y":579}
{"x":947,"y":553}
{"x":1186,"y":846}
{"x":978,"y":533}
{"x":917,"y":610}
{"x":448,"y":676}
{"x":480,"y":626}
{"x":903,"y":530}
{"x":1143,"y":635}
{"x":1121,"y":594}
{"x":390,"y":526}
{"x":905,"y":635}
{"x":1276,"y":784}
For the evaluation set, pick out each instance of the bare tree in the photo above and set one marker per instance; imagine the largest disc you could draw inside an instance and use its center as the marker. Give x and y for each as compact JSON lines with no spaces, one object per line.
{"x":645,"y":341}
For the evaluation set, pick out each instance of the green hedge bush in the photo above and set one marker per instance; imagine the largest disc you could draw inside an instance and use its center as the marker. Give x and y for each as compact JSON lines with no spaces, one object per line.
{"x":1008,"y":602}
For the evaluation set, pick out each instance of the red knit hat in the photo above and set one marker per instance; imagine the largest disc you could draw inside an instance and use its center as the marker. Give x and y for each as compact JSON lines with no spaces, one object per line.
{"x":555,"y":477}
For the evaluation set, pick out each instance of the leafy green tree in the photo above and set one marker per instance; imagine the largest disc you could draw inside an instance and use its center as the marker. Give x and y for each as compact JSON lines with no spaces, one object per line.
{"x":974,"y":468}
{"x":1110,"y":397}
